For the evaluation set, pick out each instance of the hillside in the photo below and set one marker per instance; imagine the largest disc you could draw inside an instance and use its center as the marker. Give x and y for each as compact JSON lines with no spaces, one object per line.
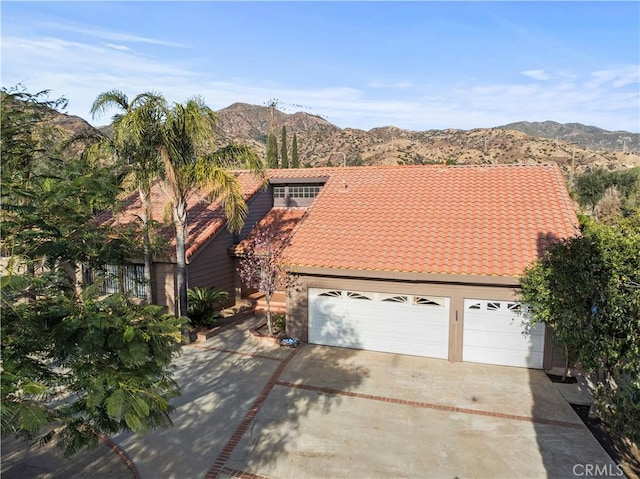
{"x":58,"y":128}
{"x":590,"y":137}
{"x":320,"y":143}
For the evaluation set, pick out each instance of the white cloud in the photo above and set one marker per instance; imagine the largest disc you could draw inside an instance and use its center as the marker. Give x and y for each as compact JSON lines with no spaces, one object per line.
{"x":618,"y":77}
{"x":391,"y":85}
{"x":103,"y":34}
{"x":80,"y":71}
{"x":116,"y":47}
{"x":540,"y":75}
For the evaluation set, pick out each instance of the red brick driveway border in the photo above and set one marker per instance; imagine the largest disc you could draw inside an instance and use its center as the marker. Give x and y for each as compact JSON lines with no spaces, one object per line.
{"x":219,"y":465}
{"x":224,"y":456}
{"x":233,"y":473}
{"x":427,"y":405}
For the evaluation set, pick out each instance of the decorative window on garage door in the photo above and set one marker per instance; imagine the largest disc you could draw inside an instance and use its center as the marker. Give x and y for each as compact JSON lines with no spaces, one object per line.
{"x":432,"y":301}
{"x":493,"y":306}
{"x":358,"y":295}
{"x":331,"y":294}
{"x":394,"y":298}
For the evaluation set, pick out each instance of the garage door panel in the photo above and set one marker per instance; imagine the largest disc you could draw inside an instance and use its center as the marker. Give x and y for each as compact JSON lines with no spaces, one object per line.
{"x":494,"y":332}
{"x":503,"y":357}
{"x":379,"y":324}
{"x":508,"y":324}
{"x":506,"y":341}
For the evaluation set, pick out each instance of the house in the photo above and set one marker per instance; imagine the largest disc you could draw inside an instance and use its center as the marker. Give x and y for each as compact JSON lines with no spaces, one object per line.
{"x":208,"y":263}
{"x":426,"y":260}
{"x":421,"y":260}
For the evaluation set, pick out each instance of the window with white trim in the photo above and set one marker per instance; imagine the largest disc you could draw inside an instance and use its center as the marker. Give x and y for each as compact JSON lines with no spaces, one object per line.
{"x":279,"y":192}
{"x":304,"y":191}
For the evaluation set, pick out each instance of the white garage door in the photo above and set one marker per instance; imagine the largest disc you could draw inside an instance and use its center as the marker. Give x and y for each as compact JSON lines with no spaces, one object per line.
{"x":496,"y":333}
{"x":394,"y":323}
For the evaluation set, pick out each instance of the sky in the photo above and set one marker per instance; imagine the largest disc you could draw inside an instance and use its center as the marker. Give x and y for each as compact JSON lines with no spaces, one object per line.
{"x":414,"y":65}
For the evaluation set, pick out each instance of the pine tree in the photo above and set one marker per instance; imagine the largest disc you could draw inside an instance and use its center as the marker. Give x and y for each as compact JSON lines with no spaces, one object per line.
{"x":272,"y":151}
{"x":295,"y":160}
{"x":284,"y":158}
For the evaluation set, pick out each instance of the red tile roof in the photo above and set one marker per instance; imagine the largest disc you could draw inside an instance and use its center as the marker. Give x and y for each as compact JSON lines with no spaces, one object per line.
{"x":283,"y":222}
{"x":472,"y":220}
{"x":204,"y":218}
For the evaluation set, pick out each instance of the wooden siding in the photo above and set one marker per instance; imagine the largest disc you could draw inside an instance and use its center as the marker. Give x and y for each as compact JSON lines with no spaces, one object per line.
{"x":298,"y":308}
{"x":259,"y":206}
{"x":212,"y":266}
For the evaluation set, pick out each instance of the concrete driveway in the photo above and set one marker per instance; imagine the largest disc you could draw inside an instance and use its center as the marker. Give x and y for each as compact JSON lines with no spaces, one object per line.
{"x":318,"y":412}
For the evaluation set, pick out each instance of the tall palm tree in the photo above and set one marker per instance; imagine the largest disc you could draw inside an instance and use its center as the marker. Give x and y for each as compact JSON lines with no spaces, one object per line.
{"x":190,"y":163}
{"x":136,"y":129}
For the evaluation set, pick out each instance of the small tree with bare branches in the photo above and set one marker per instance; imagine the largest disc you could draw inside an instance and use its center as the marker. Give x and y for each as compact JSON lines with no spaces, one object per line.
{"x":260,"y":266}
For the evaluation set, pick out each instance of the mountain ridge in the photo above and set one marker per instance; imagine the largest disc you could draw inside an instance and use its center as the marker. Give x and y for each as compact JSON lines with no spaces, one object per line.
{"x":321,"y":143}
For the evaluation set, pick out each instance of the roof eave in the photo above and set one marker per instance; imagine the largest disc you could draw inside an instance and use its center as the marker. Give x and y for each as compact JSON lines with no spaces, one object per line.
{"x":476,"y":279}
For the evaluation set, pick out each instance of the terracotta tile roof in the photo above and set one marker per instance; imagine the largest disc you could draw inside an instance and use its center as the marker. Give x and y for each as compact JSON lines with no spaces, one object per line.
{"x":478,"y":220}
{"x":282,"y":220}
{"x":473,"y":220}
{"x":204,"y":218}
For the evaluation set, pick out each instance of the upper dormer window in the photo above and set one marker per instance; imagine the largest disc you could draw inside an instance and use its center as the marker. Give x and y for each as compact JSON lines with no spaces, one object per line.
{"x":279,"y":191}
{"x":295,"y":194}
{"x":304,"y":191}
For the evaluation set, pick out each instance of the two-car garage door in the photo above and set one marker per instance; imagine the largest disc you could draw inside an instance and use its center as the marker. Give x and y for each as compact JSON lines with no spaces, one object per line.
{"x":419,"y":325}
{"x":392,"y":323}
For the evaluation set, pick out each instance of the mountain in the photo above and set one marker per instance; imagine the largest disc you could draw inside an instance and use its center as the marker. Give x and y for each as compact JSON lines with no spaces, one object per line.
{"x":590,"y":137}
{"x":321,"y":143}
{"x":58,"y":128}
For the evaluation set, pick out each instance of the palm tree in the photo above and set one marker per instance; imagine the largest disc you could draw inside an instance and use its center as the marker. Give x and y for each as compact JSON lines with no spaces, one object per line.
{"x":190,"y":163}
{"x":135,"y":137}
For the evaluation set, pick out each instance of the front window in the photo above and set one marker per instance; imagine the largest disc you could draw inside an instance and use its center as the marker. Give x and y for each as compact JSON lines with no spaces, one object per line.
{"x":128,"y":278}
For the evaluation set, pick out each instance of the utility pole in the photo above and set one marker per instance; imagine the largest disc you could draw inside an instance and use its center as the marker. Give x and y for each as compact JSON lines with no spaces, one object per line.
{"x":272,"y":106}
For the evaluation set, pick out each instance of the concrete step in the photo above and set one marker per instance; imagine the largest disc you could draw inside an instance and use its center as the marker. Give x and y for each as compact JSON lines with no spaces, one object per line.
{"x":278,"y":302}
{"x":276,"y":307}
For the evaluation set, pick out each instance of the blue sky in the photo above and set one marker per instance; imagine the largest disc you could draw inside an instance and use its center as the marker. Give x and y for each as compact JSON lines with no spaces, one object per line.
{"x":415,"y":65}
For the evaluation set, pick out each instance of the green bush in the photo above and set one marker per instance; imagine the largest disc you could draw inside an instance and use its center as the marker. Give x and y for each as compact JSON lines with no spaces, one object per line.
{"x":280,"y":322}
{"x":204,"y":304}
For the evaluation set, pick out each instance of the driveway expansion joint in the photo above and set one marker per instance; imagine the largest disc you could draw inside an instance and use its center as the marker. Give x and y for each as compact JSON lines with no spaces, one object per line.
{"x":427,"y":405}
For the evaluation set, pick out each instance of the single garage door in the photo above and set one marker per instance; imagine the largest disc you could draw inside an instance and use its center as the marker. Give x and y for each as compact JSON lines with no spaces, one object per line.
{"x":495,"y":333}
{"x":388,"y":322}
